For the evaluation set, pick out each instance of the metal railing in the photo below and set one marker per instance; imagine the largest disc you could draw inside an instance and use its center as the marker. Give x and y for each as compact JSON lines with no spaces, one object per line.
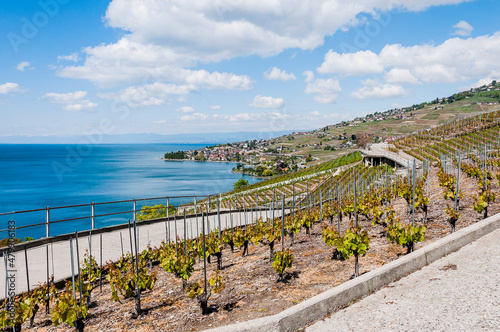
{"x":92,"y":216}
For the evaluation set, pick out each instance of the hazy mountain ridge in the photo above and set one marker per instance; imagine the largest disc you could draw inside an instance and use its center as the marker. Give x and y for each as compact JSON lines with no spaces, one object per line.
{"x":208,"y":138}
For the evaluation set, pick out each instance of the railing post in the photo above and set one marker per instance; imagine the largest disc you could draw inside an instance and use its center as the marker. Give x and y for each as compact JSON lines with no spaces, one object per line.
{"x":134,"y":210}
{"x":92,"y":223}
{"x":47,"y":221}
{"x":320,"y":202}
{"x":218,"y":216}
{"x":244,"y":210}
{"x":168,"y":221}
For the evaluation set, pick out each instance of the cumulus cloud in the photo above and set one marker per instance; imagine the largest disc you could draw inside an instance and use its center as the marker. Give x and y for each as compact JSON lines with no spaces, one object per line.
{"x":483,"y":81}
{"x":454,"y":60}
{"x":249,"y":117}
{"x":161,"y":38}
{"x":238,"y":117}
{"x":216,"y":80}
{"x":277,"y":74}
{"x":463,"y":29}
{"x":351,"y":64}
{"x":22,"y":66}
{"x":326,"y":91}
{"x":73,"y":57}
{"x":215,"y":107}
{"x":154,"y":94}
{"x":9,"y":87}
{"x":185,"y":109}
{"x":373,"y":89}
{"x":309,"y":76}
{"x":398,"y":75}
{"x":267,"y":102}
{"x":71,"y":101}
{"x":129,"y":62}
{"x":194,"y":117}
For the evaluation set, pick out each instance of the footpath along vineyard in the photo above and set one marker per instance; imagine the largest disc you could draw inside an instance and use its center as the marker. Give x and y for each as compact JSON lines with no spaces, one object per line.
{"x":349,"y":224}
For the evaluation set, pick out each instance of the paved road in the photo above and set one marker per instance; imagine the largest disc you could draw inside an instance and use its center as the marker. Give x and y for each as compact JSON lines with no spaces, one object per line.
{"x":460,"y":292}
{"x":58,"y":254}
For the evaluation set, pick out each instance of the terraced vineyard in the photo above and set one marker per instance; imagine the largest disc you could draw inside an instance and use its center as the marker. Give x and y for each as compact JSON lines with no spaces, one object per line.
{"x":345,"y":214}
{"x":464,"y":135}
{"x":298,"y":184}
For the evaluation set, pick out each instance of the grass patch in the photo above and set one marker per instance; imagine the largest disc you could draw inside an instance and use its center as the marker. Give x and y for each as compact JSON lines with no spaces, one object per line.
{"x":468,"y":108}
{"x":431,"y":116}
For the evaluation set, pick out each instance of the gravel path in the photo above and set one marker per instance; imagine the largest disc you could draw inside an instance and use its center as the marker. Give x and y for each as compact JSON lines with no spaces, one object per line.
{"x":460,"y":292}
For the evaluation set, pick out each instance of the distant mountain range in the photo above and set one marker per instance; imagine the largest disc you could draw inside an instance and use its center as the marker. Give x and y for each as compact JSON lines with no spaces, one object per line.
{"x":207,"y":138}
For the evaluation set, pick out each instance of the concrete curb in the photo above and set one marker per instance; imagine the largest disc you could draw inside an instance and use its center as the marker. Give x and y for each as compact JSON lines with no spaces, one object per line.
{"x":330,"y":301}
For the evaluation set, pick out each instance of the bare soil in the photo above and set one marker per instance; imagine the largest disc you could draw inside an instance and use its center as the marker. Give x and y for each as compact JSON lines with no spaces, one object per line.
{"x":252,"y":289}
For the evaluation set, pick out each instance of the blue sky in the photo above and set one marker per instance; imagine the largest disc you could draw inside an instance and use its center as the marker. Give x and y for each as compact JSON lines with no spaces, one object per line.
{"x":80,"y":67}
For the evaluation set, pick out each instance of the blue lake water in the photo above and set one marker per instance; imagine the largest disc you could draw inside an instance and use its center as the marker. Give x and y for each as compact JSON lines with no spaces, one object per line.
{"x":37,"y":176}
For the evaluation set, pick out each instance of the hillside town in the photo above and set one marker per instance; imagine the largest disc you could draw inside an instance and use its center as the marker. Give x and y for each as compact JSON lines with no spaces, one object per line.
{"x":299,"y":148}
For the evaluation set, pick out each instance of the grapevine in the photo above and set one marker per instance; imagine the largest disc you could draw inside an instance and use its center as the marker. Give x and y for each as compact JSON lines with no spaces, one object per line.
{"x":282,"y":260}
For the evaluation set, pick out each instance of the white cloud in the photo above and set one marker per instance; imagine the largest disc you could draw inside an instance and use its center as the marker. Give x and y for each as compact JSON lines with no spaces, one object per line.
{"x":22,"y":66}
{"x":154,"y":94}
{"x":373,"y":89}
{"x":194,"y":117}
{"x":398,"y":75}
{"x":129,"y":62}
{"x":454,"y":60}
{"x":239,"y":117}
{"x":309,"y":76}
{"x":326,"y":90}
{"x":215,"y":107}
{"x":277,"y":115}
{"x":216,"y":80}
{"x":480,"y":82}
{"x":249,"y":117}
{"x":351,"y":64}
{"x":74,"y":57}
{"x":277,"y":74}
{"x":315,"y":113}
{"x":72,"y":101}
{"x":161,"y":38}
{"x":185,"y":109}
{"x":267,"y":102}
{"x":325,"y":99}
{"x":463,"y":29}
{"x":9,"y":87}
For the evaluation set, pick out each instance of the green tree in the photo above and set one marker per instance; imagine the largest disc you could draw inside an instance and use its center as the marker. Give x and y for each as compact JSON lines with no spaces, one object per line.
{"x":268,"y":172}
{"x":259,"y":170}
{"x":200,"y":156}
{"x":240,"y":184}
{"x":175,"y":155}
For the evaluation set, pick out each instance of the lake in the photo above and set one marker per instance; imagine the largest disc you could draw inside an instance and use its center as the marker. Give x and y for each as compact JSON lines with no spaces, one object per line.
{"x":37,"y":176}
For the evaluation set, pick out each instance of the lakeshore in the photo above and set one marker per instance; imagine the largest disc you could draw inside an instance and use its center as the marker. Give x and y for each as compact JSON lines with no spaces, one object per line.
{"x":201,"y":161}
{"x":250,"y":174}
